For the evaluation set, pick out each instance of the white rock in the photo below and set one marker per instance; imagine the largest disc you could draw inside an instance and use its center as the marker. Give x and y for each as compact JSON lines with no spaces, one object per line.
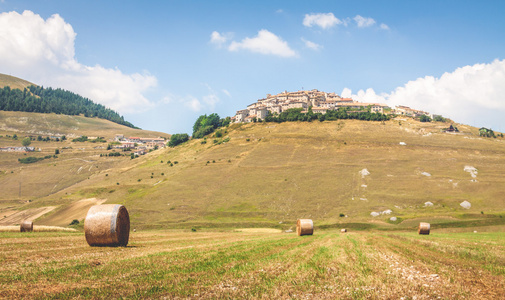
{"x":403,"y":143}
{"x":374,"y":214}
{"x":363,"y":199}
{"x":364,"y":173}
{"x":426,"y":174}
{"x":387,"y":212}
{"x":472,"y":170}
{"x":428,"y":204}
{"x":393,"y":219}
{"x":364,"y":185}
{"x":465,"y":204}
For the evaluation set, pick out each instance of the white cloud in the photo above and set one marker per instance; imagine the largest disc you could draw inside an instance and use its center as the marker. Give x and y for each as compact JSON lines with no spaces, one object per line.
{"x":279,"y":11}
{"x":324,"y":21}
{"x":364,"y":22}
{"x":226,"y":92}
{"x":207,"y":102}
{"x":368,"y":96}
{"x":218,"y":38}
{"x":265,"y":43}
{"x":384,"y":26}
{"x":311,"y":45}
{"x":42,"y":51}
{"x":470,"y":94}
{"x":193,"y":103}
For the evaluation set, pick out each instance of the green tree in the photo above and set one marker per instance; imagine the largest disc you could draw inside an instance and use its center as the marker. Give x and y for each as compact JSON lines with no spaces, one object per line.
{"x":177,"y":139}
{"x":26,"y":142}
{"x":205,"y":125}
{"x":424,"y":118}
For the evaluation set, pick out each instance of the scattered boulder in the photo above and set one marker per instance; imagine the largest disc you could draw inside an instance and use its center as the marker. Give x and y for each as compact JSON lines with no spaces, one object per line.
{"x":426,"y":174}
{"x":426,"y":204}
{"x":472,"y":170}
{"x":403,"y":143}
{"x":465,"y":204}
{"x":393,"y":219}
{"x":364,"y":173}
{"x":387,"y":212}
{"x":375,"y":214}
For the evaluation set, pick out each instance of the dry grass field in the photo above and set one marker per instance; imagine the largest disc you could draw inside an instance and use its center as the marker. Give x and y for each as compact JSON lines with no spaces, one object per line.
{"x":13,"y":82}
{"x":255,"y":265}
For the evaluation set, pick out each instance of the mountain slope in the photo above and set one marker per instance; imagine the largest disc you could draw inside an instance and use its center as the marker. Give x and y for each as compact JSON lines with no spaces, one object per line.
{"x":272,"y":174}
{"x":49,"y":100}
{"x":13,"y":82}
{"x":76,"y":161}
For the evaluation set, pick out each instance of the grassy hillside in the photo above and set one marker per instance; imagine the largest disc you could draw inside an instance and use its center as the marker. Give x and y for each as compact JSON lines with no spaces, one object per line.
{"x":272,"y":174}
{"x":13,"y":82}
{"x":25,"y":183}
{"x":72,"y":126}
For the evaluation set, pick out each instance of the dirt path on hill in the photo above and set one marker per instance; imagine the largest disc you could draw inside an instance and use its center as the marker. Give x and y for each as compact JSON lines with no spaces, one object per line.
{"x":14,"y":218}
{"x":76,"y":210}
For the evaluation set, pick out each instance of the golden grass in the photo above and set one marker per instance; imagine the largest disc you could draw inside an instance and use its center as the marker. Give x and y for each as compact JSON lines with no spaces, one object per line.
{"x":13,"y":82}
{"x":37,"y":228}
{"x":258,"y":230}
{"x":210,"y":265}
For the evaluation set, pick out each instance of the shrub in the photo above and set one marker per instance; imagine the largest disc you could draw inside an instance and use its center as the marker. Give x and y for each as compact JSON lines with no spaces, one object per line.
{"x":74,"y":222}
{"x":177,"y":139}
{"x":193,"y":229}
{"x":342,"y":215}
{"x":80,"y":139}
{"x":30,"y":160}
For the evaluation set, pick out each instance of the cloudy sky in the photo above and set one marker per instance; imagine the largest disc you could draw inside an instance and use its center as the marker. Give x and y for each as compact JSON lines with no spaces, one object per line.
{"x":161,"y":64}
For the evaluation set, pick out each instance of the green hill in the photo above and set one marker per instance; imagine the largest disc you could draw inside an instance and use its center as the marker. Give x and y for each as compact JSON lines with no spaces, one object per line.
{"x":336,"y":173}
{"x":48,"y":100}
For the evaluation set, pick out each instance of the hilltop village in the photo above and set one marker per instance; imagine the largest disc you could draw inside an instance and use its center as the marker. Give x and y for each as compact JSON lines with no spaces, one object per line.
{"x":319,"y":102}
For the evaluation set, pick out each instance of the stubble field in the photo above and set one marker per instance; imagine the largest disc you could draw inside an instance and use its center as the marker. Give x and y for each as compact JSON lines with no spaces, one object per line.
{"x":255,"y":264}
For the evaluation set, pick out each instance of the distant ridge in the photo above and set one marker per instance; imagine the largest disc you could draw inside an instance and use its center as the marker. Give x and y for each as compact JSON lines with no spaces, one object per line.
{"x":20,"y":95}
{"x":13,"y":82}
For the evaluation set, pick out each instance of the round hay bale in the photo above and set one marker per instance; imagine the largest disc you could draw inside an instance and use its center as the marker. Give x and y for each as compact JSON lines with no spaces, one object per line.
{"x":107,"y":225}
{"x":304,"y":227}
{"x":424,"y":228}
{"x":343,"y":230}
{"x":26,"y":226}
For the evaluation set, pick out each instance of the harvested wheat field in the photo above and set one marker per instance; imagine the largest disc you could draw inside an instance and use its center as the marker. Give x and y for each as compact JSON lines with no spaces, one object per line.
{"x":254,"y":265}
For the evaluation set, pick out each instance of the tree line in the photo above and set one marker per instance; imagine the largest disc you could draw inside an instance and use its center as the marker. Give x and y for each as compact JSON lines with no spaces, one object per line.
{"x":296,"y":114}
{"x":48,"y":100}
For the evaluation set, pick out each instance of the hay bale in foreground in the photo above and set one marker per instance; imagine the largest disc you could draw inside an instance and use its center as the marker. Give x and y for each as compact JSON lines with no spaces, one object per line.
{"x":304,"y":227}
{"x":424,"y":228}
{"x":26,"y":226}
{"x":343,"y":230}
{"x":107,"y":225}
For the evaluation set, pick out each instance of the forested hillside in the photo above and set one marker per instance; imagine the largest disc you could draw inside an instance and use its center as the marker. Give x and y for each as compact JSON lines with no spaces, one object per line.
{"x":49,"y":100}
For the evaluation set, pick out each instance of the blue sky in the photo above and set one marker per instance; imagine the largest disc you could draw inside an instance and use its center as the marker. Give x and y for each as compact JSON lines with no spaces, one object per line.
{"x":163,"y":63}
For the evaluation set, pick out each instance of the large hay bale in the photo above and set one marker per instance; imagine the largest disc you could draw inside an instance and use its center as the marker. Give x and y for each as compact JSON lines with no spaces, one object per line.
{"x":26,"y":226}
{"x":424,"y":228}
{"x":107,"y":225}
{"x":304,"y":227}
